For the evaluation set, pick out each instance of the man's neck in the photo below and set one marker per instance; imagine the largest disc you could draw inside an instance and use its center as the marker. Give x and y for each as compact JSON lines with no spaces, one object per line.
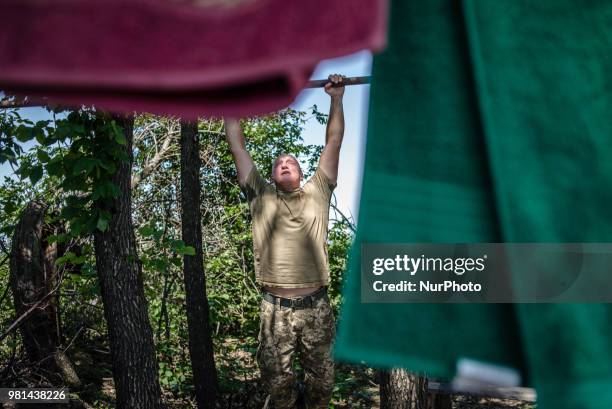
{"x":287,"y":188}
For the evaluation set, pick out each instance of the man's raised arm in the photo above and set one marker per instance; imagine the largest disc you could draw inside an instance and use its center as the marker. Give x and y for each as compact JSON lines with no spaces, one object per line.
{"x":235,"y":138}
{"x":335,"y":129}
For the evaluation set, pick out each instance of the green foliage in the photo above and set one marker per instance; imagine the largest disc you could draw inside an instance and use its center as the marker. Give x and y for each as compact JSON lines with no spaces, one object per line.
{"x":80,"y":152}
{"x":353,"y":387}
{"x":165,"y":251}
{"x":339,"y":243}
{"x":13,"y":129}
{"x":13,"y":196}
{"x":70,"y":164}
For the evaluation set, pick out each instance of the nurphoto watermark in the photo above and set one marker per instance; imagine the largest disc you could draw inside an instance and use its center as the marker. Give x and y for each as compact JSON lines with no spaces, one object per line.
{"x":486,"y":273}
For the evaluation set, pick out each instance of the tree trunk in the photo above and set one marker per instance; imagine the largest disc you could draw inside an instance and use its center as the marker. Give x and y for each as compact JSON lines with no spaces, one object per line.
{"x":34,"y":280}
{"x":441,"y":401}
{"x":200,"y":340}
{"x":135,"y":369}
{"x":400,"y":389}
{"x":33,"y":277}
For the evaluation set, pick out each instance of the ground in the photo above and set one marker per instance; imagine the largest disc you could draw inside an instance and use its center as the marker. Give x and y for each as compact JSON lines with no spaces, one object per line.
{"x":356,"y":386}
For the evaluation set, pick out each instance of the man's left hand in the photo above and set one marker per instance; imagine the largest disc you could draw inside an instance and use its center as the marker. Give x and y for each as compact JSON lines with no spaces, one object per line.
{"x":337,"y":90}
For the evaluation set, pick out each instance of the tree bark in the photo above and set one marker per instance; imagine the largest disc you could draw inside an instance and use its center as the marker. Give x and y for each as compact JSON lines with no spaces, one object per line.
{"x":34,"y":281}
{"x":400,"y":389}
{"x":33,"y":277}
{"x":441,"y":401}
{"x":200,"y":340}
{"x":135,"y":369}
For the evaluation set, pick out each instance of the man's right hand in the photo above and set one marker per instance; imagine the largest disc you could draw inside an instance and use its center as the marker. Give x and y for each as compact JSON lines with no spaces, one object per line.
{"x":335,"y":86}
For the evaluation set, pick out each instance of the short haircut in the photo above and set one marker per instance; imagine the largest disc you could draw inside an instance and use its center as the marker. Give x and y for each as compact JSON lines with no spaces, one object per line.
{"x":280,"y":156}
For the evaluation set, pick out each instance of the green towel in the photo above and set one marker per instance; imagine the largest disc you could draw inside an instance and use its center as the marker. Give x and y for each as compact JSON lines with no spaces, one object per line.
{"x":490,"y":121}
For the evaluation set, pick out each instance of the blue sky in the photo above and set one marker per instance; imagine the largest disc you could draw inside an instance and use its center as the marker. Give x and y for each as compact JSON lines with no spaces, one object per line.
{"x":355,"y":114}
{"x":355,"y":118}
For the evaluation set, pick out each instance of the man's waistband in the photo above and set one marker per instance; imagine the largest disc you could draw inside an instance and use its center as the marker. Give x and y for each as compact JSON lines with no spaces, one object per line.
{"x":307,"y":301}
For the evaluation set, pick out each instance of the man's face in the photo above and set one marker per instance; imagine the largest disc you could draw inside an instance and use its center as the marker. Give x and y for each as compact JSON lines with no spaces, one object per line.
{"x":287,"y":172}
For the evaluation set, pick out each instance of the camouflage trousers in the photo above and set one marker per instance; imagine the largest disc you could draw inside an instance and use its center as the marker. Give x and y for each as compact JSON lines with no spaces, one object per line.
{"x":287,"y":333}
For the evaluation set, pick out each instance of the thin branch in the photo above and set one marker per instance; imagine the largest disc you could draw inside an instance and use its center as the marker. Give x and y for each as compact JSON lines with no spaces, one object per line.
{"x":151,"y":165}
{"x":73,"y":338}
{"x":349,"y":223}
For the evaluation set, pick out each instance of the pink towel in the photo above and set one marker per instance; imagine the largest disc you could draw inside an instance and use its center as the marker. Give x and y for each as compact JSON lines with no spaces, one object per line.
{"x":178,"y":57}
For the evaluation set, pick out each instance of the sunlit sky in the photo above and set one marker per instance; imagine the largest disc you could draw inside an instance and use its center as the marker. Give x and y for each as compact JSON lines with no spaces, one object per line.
{"x":355,"y":112}
{"x":355,"y":118}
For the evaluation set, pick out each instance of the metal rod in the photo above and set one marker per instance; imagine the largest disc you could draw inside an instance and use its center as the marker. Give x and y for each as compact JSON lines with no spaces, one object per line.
{"x":347,"y":81}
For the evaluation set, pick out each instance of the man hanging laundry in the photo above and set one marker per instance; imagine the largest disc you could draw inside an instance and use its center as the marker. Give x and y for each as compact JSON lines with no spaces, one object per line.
{"x":289,"y":239}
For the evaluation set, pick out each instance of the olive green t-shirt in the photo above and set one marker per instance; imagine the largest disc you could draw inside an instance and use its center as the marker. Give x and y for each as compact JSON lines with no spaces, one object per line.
{"x":290,"y":231}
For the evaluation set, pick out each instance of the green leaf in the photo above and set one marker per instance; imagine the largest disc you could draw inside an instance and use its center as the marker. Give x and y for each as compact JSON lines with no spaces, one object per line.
{"x":86,"y":164}
{"x":75,"y":228}
{"x":79,"y":260}
{"x":58,"y":238}
{"x":114,"y":190}
{"x":119,"y":136}
{"x":159,"y":265}
{"x":39,"y":134}
{"x":102,"y":224}
{"x":105,"y":214}
{"x":146,"y":231}
{"x":23,"y":134}
{"x":66,"y":258}
{"x":104,"y":189}
{"x":43,"y":156}
{"x":109,"y":166}
{"x":9,"y":207}
{"x":177,"y":245}
{"x":188,"y":251}
{"x":88,"y":271}
{"x":74,"y":183}
{"x":55,"y":166}
{"x":36,"y":174}
{"x":77,"y":129}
